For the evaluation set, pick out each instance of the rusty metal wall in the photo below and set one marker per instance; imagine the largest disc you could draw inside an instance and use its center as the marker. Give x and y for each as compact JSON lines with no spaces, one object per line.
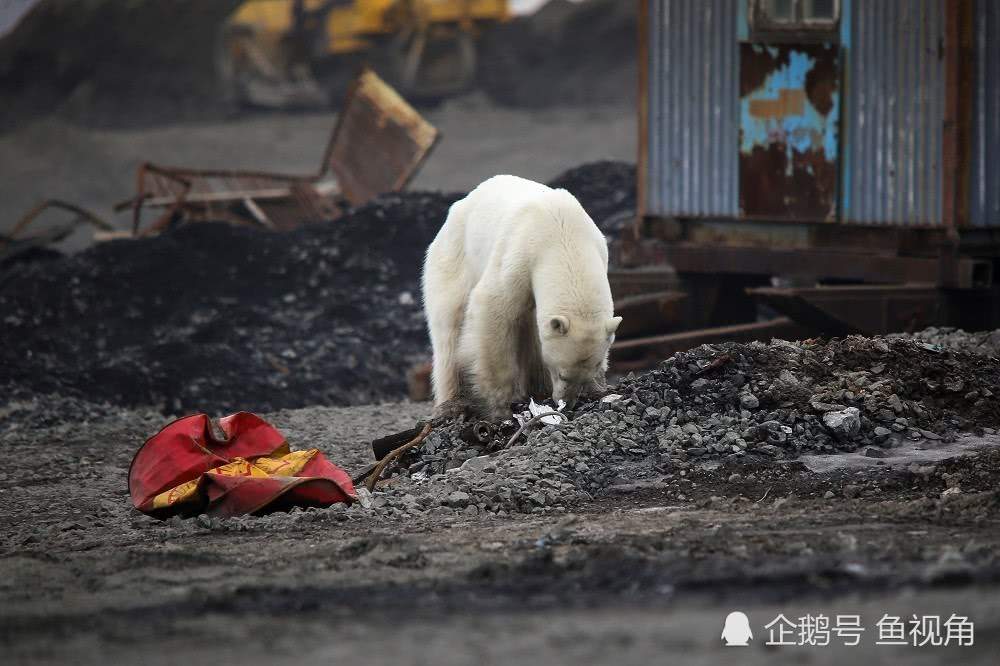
{"x":985,"y":174}
{"x":894,"y":97}
{"x":693,"y":98}
{"x":789,"y":120}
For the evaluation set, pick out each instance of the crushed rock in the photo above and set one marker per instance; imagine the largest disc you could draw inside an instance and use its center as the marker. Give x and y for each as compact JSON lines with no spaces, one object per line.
{"x":986,"y":343}
{"x":811,"y":397}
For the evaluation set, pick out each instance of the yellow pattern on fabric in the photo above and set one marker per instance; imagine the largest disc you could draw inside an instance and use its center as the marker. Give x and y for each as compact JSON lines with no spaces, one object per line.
{"x":288,"y":464}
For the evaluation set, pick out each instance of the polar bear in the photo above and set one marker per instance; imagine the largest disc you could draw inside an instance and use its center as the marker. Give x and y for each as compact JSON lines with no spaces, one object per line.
{"x":516,"y":296}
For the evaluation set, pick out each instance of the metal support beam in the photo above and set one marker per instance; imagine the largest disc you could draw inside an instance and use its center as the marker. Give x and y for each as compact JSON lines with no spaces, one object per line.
{"x":867,"y":309}
{"x":814,"y":263}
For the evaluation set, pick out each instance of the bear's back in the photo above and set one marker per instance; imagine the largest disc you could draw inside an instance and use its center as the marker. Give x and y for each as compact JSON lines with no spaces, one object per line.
{"x":511,"y":214}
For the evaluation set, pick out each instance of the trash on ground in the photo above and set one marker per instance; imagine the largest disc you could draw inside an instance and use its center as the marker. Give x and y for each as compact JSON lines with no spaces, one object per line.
{"x":393,"y":457}
{"x":186,"y":470}
{"x":377,"y":146}
{"x":15,"y":245}
{"x":542,"y":412}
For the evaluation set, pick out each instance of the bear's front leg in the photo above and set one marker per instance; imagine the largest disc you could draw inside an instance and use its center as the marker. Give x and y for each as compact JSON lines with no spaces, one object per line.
{"x":489,"y":345}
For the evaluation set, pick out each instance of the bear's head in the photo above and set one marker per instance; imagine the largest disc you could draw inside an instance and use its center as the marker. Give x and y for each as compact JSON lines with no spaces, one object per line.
{"x":575,"y":351}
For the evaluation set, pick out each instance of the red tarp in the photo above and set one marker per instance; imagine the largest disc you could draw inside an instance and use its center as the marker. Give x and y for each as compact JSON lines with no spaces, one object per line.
{"x":185,"y":470}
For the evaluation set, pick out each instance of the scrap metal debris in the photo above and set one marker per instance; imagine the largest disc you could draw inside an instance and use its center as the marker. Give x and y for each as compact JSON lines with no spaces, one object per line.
{"x":14,"y":244}
{"x":377,"y":146}
{"x":715,"y":363}
{"x":478,"y":432}
{"x":394,"y":456}
{"x":548,"y":417}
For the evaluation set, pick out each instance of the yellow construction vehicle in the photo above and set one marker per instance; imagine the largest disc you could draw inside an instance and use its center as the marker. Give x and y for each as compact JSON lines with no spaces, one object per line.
{"x":274,"y":51}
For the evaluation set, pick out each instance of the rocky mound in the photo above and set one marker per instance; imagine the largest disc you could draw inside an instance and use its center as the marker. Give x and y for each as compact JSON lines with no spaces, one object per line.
{"x":731,"y":402}
{"x":986,"y":343}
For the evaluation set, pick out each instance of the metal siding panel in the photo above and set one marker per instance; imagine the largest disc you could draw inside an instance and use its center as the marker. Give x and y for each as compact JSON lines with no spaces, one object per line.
{"x":694,"y":108}
{"x":894,"y":113}
{"x":985,"y":177}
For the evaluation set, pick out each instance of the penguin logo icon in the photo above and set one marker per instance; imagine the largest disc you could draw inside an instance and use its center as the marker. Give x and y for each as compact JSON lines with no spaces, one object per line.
{"x":737,"y":629}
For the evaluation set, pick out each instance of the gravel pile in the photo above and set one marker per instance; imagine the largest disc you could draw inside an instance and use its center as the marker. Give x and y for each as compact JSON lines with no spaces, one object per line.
{"x":753,"y":402}
{"x":986,"y":343}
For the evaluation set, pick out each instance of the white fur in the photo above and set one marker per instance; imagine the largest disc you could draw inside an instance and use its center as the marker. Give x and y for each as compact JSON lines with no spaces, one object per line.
{"x":516,"y":296}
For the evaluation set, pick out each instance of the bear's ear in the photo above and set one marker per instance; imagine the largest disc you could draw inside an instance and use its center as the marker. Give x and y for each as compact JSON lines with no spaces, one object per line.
{"x":559,"y":325}
{"x":612,"y":325}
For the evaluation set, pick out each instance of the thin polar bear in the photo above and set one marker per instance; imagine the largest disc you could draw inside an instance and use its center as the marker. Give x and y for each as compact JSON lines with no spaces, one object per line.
{"x":516,"y":296}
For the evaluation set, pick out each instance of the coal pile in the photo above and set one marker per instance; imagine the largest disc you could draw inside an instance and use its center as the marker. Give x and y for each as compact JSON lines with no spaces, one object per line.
{"x":108,"y":63}
{"x":752,"y":403}
{"x":564,"y":54}
{"x":607,"y":191}
{"x":217,"y":318}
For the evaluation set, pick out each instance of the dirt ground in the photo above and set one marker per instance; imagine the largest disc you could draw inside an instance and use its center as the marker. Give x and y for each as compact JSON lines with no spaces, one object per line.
{"x":96,"y":168}
{"x":644,"y":573}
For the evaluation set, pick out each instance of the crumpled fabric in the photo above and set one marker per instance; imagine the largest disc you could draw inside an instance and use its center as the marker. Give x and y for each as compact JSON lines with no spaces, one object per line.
{"x":186,"y":470}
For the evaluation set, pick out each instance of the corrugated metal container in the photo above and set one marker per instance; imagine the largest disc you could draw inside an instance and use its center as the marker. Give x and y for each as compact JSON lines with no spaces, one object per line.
{"x":693,"y":71}
{"x":894,"y":113}
{"x":985,"y":187}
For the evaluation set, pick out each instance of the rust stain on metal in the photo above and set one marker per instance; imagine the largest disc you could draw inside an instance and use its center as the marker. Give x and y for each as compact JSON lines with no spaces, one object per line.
{"x":788,"y":103}
{"x":756,"y":64}
{"x":789,"y":131}
{"x":771,"y":186}
{"x":821,"y":85}
{"x":379,"y":142}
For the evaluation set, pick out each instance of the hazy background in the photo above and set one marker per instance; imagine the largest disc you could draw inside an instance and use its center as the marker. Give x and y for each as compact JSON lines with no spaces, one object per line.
{"x":85,"y":109}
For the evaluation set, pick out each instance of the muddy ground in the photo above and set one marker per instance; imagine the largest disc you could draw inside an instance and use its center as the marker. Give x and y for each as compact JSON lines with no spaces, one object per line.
{"x":644,"y":571}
